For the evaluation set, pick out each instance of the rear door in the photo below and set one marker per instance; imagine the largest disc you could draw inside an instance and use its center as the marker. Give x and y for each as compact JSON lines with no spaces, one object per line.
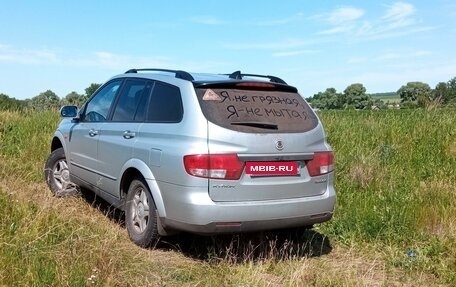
{"x":119,"y":134}
{"x":273,"y":132}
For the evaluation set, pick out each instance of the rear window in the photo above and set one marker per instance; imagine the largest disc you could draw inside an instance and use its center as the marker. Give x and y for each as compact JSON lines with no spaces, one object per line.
{"x":254,"y":111}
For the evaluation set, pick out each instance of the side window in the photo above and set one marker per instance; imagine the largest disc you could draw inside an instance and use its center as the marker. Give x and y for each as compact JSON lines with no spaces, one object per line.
{"x":98,"y":108}
{"x":165,"y":104}
{"x":131,"y":101}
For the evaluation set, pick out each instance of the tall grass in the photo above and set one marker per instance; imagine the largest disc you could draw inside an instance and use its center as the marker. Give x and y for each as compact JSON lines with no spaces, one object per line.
{"x":25,"y":142}
{"x":396,"y":181}
{"x":395,"y":221}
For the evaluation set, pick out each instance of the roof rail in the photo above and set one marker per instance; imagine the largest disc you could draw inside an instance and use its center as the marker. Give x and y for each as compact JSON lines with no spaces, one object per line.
{"x":237,"y":75}
{"x":178,"y":73}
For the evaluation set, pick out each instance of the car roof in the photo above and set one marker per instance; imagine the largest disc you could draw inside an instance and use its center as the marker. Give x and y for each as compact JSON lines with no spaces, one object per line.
{"x":202,"y":79}
{"x":237,"y":75}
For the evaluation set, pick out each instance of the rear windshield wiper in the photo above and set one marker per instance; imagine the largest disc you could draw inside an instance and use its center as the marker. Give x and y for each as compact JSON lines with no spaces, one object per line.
{"x":260,"y":125}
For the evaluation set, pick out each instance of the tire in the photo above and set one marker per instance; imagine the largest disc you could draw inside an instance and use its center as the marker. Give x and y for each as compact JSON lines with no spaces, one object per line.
{"x":141,"y":215}
{"x":57,"y":174}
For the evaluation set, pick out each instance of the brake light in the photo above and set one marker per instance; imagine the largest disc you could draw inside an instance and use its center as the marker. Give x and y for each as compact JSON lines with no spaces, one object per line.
{"x":322,"y":163}
{"x":219,"y":166}
{"x":255,"y":85}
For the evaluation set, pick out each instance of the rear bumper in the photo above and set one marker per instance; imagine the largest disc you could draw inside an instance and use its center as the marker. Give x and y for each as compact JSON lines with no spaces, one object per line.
{"x":191,"y":209}
{"x":245,"y":226}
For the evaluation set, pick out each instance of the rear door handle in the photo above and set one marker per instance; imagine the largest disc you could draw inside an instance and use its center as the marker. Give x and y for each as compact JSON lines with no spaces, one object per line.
{"x":93,"y":133}
{"x":128,"y":135}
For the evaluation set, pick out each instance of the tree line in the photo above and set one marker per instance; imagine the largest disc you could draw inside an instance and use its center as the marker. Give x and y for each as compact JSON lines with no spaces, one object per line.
{"x":47,"y":100}
{"x":411,"y":95}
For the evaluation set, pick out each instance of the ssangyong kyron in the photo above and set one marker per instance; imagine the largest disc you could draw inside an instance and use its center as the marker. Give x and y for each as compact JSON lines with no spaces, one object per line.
{"x":203,"y":153}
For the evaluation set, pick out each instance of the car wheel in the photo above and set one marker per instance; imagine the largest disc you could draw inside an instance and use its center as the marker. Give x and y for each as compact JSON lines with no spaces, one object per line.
{"x":57,"y":174}
{"x":141,"y":215}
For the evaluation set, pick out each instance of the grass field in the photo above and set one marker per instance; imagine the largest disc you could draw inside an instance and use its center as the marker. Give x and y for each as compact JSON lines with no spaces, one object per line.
{"x":395,"y":221}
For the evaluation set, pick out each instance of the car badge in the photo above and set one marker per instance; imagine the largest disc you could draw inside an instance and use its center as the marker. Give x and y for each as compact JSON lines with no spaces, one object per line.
{"x":279,"y":145}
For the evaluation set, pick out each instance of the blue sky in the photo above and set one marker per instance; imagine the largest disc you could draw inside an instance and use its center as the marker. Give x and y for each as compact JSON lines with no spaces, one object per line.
{"x":67,"y":45}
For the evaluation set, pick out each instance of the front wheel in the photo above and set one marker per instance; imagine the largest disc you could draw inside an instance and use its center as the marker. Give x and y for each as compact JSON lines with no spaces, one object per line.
{"x":141,"y":215}
{"x":57,"y":174}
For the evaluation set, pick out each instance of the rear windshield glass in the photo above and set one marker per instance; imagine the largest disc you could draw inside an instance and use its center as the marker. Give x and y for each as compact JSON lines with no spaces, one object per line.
{"x":256,"y":111}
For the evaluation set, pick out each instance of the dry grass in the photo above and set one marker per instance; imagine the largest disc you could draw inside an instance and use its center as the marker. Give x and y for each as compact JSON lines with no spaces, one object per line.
{"x":451,"y":148}
{"x":437,"y":221}
{"x":99,"y":245}
{"x":350,"y":267}
{"x":91,"y":241}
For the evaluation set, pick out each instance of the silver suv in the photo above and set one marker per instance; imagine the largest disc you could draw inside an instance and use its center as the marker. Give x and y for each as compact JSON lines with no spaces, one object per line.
{"x":203,"y":153}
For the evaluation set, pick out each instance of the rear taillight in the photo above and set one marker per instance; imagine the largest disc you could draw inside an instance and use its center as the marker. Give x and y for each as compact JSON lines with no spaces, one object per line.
{"x":219,"y":166}
{"x":322,"y":163}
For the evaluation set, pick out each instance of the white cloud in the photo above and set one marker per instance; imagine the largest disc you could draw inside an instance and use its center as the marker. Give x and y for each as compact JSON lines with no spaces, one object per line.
{"x":337,"y":30}
{"x":27,"y":56}
{"x":394,"y":33}
{"x":104,"y":60}
{"x":398,"y":15}
{"x":399,"y":11}
{"x":341,"y":19}
{"x":100,"y":59}
{"x":344,"y":14}
{"x":397,"y":20}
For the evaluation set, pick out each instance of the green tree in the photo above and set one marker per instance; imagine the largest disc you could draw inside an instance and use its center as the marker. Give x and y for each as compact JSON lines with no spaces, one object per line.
{"x":90,"y":90}
{"x":451,"y":85}
{"x":440,"y":93}
{"x":73,"y":98}
{"x":415,"y":94}
{"x":356,"y":97}
{"x":327,"y":100}
{"x":45,"y":100}
{"x":7,"y":103}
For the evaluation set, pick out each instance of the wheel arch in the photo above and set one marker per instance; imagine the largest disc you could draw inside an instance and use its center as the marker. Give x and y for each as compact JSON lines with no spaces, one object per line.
{"x":55,"y":144}
{"x":58,"y":141}
{"x":135,"y":168}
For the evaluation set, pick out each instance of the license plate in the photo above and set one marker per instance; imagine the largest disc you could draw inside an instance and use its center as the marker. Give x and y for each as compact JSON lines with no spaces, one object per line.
{"x":271,"y":168}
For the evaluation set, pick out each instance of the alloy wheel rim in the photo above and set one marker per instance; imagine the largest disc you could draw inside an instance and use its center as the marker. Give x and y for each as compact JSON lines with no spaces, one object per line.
{"x":61,"y":174}
{"x":140,"y":210}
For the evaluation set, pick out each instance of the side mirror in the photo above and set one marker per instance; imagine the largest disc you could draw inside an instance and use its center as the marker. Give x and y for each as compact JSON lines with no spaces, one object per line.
{"x":69,"y":111}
